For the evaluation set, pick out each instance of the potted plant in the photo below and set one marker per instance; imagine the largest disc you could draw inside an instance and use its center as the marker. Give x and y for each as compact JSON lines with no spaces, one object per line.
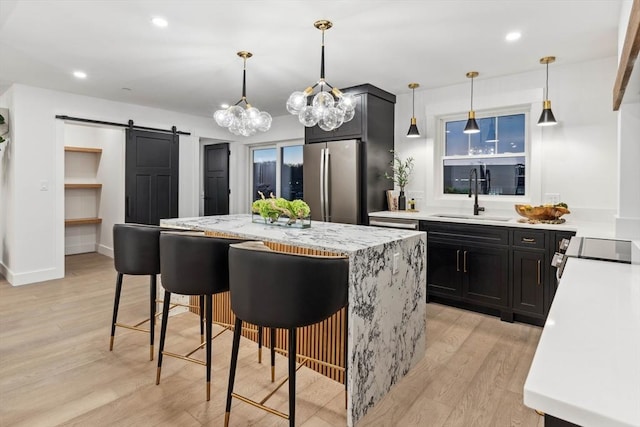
{"x":1,"y":124}
{"x":401,"y":172}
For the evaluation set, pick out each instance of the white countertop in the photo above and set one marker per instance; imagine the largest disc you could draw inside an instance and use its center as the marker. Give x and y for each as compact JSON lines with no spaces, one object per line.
{"x":586,"y":369}
{"x":602,"y":229}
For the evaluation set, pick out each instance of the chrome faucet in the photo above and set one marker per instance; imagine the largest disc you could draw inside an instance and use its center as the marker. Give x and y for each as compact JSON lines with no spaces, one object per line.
{"x":476,"y":208}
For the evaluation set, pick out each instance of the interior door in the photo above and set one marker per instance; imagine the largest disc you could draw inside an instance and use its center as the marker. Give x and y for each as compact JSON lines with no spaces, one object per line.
{"x":216,"y":179}
{"x":151,"y":176}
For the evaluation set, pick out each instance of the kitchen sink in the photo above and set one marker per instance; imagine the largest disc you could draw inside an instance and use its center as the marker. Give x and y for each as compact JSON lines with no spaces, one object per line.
{"x":475,"y":217}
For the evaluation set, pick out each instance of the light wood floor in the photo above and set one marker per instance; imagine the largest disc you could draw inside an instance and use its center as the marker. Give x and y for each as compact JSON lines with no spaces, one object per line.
{"x":56,"y":367}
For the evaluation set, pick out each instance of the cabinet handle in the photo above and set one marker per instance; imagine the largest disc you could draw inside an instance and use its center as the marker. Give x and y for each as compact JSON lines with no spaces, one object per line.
{"x":528,"y":240}
{"x":464,"y":261}
{"x":539,"y":267}
{"x":458,"y":260}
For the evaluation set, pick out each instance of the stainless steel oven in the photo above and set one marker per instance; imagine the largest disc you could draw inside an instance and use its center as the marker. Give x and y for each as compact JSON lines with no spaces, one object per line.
{"x":611,"y":250}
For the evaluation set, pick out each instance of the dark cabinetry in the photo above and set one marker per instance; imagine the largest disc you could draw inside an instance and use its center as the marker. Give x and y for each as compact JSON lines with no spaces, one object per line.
{"x":373,"y":125}
{"x":468,"y":264}
{"x":497,"y":270}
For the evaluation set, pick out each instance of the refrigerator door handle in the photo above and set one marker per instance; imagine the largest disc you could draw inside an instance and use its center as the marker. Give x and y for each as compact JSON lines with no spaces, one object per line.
{"x":327,"y":199}
{"x":322,"y":173}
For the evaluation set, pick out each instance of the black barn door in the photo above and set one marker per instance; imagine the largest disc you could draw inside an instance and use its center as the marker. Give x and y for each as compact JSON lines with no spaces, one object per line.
{"x":216,"y":179}
{"x":151,"y":177}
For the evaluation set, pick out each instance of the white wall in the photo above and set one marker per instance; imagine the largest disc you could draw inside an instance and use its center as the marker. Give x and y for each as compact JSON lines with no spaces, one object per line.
{"x":628,"y":218}
{"x":577,"y":158}
{"x":33,"y":222}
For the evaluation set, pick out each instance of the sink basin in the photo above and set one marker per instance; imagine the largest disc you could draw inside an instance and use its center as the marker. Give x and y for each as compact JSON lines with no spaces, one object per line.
{"x":474,"y":217}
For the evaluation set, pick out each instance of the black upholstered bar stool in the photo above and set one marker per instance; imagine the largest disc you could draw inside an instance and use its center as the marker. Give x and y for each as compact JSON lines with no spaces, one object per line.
{"x":136,"y":252}
{"x":281,"y":290}
{"x":193,"y":264}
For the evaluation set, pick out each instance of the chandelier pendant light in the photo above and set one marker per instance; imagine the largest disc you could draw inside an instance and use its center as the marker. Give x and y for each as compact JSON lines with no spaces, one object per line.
{"x":330,"y":107}
{"x":472,"y":125}
{"x":243,"y":121}
{"x":547,"y":118}
{"x":413,"y":129}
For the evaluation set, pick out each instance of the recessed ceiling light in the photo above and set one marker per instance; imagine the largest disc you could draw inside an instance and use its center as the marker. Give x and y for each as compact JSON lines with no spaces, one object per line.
{"x":80,"y":74}
{"x":224,"y":105}
{"x":513,"y":36}
{"x":159,"y":21}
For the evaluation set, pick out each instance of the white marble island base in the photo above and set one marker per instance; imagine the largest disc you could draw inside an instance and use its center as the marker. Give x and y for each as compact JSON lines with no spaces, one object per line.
{"x":386,"y":311}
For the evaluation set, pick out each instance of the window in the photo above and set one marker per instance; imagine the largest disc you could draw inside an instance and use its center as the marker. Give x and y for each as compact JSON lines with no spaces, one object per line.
{"x":498,"y":152}
{"x":277,"y":170}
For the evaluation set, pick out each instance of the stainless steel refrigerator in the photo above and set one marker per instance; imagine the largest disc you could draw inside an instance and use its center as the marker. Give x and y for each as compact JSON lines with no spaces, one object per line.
{"x":332,"y":179}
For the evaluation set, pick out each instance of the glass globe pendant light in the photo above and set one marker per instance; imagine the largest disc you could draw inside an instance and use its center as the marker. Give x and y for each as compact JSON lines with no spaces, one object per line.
{"x":330,"y":108}
{"x":547,"y":118}
{"x":243,"y":121}
{"x":472,"y":125}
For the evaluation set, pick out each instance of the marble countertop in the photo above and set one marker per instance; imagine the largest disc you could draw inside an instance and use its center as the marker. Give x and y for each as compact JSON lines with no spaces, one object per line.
{"x":343,"y":238}
{"x":602,"y":229}
{"x":586,"y":369}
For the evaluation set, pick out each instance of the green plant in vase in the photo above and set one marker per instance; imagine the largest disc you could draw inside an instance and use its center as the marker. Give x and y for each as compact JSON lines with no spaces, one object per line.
{"x":402,"y":170}
{"x":1,"y":123}
{"x":272,"y":208}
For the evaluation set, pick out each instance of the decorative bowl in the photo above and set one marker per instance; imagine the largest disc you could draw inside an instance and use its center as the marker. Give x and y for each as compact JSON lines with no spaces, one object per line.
{"x":543,"y":212}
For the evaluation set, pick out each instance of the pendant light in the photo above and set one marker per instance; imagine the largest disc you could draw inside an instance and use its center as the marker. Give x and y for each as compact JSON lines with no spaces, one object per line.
{"x":330,"y":107}
{"x":413,"y":129}
{"x":547,"y":118}
{"x":248,"y":121}
{"x":472,"y":125}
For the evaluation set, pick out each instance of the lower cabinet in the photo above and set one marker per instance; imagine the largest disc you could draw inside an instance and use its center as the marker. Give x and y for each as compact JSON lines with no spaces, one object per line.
{"x":529,"y":281}
{"x":497,"y":270}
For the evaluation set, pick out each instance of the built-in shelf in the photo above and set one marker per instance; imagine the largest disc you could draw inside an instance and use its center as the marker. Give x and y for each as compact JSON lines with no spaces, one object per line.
{"x":83,"y":149}
{"x":82,"y":185}
{"x":82,"y":221}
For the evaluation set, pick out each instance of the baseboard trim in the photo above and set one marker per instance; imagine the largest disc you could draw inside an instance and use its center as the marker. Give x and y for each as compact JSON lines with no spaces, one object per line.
{"x":19,"y":279}
{"x":105,"y":250}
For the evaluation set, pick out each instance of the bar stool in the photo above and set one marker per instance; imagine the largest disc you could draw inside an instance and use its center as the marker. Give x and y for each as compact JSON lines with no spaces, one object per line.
{"x":135,"y":252}
{"x":193,"y":264}
{"x":281,"y":290}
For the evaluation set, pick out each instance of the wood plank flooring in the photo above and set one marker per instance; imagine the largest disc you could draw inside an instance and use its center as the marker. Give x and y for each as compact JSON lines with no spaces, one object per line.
{"x":56,"y":367}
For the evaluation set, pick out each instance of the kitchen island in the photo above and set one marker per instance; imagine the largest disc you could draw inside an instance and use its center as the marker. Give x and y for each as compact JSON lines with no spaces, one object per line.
{"x":387,"y":285}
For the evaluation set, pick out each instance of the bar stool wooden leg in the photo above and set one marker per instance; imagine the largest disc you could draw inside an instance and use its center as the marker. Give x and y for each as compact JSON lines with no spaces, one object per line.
{"x":292,"y":377}
{"x":152,"y":312}
{"x":116,"y":302}
{"x":163,"y":331}
{"x":260,"y":344}
{"x":273,"y":353}
{"x":232,"y":370}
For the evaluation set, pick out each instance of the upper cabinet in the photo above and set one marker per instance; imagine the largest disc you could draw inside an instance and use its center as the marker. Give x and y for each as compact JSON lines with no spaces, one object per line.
{"x":373,"y":119}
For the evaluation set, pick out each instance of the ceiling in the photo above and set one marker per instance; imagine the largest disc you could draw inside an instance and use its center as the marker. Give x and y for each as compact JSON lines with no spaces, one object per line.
{"x":191,"y":65}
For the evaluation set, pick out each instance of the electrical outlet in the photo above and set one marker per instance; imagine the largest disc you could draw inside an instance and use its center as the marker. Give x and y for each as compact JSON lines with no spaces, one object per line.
{"x":396,"y":258}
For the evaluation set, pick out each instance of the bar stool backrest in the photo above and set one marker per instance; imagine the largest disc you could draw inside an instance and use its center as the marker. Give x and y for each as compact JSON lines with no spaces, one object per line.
{"x":282,"y":290}
{"x":194,"y":264}
{"x":135,"y":248}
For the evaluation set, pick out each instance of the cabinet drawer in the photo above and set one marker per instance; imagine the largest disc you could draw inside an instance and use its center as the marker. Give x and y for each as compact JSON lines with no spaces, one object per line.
{"x":466,"y":233}
{"x":529,"y":239}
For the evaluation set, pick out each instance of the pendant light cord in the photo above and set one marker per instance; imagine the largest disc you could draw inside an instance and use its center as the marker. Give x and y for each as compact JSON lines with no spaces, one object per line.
{"x":472,"y":93}
{"x":244,"y":81}
{"x":322,"y":59}
{"x":547,"y":83}
{"x":413,"y":107}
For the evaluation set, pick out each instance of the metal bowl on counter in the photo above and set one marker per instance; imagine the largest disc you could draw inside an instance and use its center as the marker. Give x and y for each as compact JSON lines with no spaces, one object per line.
{"x":542,"y":212}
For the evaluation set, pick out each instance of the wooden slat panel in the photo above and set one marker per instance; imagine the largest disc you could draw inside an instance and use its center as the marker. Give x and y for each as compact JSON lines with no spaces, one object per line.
{"x":324,"y":341}
{"x":83,"y":185}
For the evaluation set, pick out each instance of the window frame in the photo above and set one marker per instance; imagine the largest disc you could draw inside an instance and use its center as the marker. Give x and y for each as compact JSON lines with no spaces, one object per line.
{"x":440,"y":150}
{"x":278,"y":147}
